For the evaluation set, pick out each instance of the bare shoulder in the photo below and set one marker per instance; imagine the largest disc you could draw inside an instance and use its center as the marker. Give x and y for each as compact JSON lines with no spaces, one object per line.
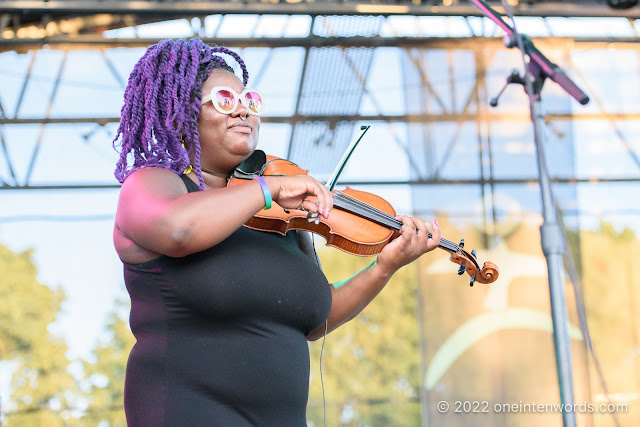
{"x":142,"y":193}
{"x":153,"y":181}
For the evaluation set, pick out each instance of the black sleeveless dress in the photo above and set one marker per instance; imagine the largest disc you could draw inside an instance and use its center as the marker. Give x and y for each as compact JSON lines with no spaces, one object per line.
{"x":221,"y":333}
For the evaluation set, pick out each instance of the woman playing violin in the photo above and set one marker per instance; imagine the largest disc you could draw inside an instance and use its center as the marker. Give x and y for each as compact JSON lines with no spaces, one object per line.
{"x":221,"y":313}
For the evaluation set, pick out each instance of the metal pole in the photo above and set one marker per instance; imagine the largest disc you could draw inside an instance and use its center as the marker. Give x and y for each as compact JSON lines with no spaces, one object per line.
{"x":553,"y":249}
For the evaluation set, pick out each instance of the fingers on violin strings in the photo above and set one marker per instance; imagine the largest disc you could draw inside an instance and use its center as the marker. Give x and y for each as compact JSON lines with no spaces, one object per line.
{"x":409,"y":228}
{"x":435,"y":234}
{"x":422,"y":229}
{"x":405,"y":222}
{"x":404,"y":219}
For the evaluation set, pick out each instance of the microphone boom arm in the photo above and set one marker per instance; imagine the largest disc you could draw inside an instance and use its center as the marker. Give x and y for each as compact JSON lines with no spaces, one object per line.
{"x":548,"y":68}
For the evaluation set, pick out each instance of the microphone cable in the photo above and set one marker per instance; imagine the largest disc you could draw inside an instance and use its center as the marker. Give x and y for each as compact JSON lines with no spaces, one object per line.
{"x":324,"y":338}
{"x":324,"y":402}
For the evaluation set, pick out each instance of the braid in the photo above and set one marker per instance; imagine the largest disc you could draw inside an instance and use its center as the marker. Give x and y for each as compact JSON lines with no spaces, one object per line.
{"x":162,"y":105}
{"x":245,"y":73}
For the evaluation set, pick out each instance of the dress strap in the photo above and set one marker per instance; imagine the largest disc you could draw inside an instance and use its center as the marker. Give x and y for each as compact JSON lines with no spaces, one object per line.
{"x":191,"y":186}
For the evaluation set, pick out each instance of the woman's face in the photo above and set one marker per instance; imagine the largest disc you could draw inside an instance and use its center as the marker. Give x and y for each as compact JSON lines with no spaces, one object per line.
{"x":225,"y":139}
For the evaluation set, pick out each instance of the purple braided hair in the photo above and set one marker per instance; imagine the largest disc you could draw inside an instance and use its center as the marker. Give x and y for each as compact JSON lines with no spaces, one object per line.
{"x":162,"y":106}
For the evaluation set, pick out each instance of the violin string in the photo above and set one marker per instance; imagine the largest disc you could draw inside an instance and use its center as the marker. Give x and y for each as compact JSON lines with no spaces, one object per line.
{"x":367,"y":211}
{"x":373,"y":212}
{"x":382,"y":217}
{"x":387,"y":219}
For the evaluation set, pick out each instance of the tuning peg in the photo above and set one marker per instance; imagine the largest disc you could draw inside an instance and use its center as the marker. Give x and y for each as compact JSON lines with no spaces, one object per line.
{"x":461,"y":244}
{"x":474,"y":253}
{"x":463,"y":267}
{"x":473,"y":279}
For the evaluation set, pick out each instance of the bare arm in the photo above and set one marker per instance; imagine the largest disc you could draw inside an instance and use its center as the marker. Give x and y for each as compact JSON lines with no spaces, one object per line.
{"x":156,"y":214}
{"x":355,"y":293}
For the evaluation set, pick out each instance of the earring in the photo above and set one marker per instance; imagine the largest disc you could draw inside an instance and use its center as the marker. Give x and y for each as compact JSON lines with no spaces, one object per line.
{"x":189,"y":168}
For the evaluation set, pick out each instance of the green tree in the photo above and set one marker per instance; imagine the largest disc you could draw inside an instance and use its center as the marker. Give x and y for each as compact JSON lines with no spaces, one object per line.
{"x":612,"y":298}
{"x":105,"y":376}
{"x":371,"y":364}
{"x":42,"y":386}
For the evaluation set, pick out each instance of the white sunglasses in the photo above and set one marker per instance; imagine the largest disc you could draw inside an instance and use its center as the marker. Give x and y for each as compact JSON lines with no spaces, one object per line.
{"x":226,"y":100}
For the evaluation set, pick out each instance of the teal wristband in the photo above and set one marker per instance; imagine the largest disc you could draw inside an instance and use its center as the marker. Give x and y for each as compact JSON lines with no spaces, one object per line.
{"x":265,"y":192}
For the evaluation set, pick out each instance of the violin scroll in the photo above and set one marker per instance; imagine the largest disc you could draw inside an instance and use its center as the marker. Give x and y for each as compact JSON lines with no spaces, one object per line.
{"x":487,"y":274}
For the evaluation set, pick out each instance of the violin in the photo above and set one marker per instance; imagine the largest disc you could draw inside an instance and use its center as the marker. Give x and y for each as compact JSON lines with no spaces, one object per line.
{"x":360,"y":223}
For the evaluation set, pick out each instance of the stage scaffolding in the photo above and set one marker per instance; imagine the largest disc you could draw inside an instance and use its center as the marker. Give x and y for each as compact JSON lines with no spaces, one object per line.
{"x":333,"y":33}
{"x":421,"y":73}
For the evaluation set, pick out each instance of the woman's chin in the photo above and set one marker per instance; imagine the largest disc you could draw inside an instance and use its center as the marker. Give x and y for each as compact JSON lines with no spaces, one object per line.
{"x":245,"y":147}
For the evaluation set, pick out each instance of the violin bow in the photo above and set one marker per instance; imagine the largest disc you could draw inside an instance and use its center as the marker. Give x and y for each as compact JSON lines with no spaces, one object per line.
{"x":331,"y":182}
{"x":468,"y":261}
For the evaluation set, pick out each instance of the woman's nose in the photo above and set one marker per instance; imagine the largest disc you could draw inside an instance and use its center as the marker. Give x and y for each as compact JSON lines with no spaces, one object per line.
{"x":241,"y":110}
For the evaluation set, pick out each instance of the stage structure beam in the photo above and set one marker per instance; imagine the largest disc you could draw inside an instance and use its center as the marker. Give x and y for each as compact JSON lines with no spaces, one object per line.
{"x":458,"y":112}
{"x":98,"y":42}
{"x":408,"y":118}
{"x":169,"y":9}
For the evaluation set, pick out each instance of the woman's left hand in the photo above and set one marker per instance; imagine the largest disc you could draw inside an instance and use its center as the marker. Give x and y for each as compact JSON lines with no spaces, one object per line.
{"x":354,"y":294}
{"x":413,"y":241}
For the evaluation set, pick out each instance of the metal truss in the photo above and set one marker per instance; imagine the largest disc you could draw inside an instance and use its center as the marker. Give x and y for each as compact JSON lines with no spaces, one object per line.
{"x":483,"y":50}
{"x":167,"y":8}
{"x":43,"y":21}
{"x":87,"y":35}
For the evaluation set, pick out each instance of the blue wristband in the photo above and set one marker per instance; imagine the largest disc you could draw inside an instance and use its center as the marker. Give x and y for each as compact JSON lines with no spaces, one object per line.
{"x":265,"y":192}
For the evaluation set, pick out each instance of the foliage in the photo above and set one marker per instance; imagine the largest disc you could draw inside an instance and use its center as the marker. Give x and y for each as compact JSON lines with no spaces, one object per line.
{"x":612,"y":298}
{"x":371,"y":364}
{"x":518,"y":364}
{"x":41,"y":384}
{"x":106,"y":375}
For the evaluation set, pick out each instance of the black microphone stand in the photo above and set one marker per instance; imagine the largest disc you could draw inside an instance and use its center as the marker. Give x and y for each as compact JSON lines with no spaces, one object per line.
{"x":538,"y":68}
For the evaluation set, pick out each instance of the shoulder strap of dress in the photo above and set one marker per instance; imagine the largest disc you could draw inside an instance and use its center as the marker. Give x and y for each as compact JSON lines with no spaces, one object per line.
{"x":191,"y":186}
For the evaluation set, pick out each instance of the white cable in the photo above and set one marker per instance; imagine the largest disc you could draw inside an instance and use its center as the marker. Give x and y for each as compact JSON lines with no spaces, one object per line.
{"x":324,"y":402}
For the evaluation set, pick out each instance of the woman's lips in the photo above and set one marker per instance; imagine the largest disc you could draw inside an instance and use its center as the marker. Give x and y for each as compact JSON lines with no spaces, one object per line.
{"x":240,"y":127}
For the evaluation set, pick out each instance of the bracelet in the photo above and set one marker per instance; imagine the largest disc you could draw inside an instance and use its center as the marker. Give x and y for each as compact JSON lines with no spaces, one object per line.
{"x":265,"y":192}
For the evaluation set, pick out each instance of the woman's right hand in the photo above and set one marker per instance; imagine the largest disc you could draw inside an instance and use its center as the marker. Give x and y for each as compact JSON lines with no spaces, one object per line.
{"x":156,"y":213}
{"x":291,"y":192}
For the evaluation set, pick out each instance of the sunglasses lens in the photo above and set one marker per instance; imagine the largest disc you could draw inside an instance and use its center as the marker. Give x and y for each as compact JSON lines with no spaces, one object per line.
{"x":226,"y":101}
{"x":253,"y":102}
